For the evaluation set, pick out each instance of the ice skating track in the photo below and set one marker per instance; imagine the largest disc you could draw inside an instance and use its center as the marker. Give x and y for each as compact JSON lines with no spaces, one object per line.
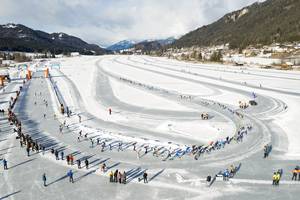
{"x":181,"y":178}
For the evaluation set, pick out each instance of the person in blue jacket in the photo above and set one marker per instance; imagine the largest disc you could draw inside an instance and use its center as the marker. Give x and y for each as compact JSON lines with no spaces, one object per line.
{"x":70,"y":175}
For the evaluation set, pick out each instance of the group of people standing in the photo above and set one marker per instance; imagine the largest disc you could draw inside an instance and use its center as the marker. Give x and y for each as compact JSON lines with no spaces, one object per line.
{"x":13,"y":120}
{"x":69,"y":158}
{"x":25,"y":139}
{"x":117,"y":177}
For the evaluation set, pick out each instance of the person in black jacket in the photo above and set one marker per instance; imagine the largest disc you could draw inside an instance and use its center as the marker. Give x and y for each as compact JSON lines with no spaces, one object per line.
{"x":44,"y":179}
{"x":145,"y":177}
{"x":86,"y":162}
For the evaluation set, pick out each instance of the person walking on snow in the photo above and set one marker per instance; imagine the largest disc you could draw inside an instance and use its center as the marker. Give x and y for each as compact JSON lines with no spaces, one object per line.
{"x":116,"y":176}
{"x":56,"y":155}
{"x":295,"y":173}
{"x":70,"y":175}
{"x":103,"y":167}
{"x":120,"y":146}
{"x":86,"y":162}
{"x":62,"y":155}
{"x":145,"y":177}
{"x":120,"y":175}
{"x":278,"y":176}
{"x":44,"y":179}
{"x":79,"y":118}
{"x":43,"y":149}
{"x":28,"y":151}
{"x":134,"y":146}
{"x":208,"y":179}
{"x":92,"y":143}
{"x":72,"y":159}
{"x":109,"y":111}
{"x":274,"y":179}
{"x":124,"y":178}
{"x":111,"y":176}
{"x":68,"y":159}
{"x":78,"y":164}
{"x":103,"y":146}
{"x":5,"y":164}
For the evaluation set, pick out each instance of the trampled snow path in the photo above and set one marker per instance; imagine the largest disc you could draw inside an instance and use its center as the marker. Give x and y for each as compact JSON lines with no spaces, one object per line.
{"x":97,"y":83}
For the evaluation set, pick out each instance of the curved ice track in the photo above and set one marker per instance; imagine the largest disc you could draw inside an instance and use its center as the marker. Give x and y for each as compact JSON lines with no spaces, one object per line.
{"x":232,"y":153}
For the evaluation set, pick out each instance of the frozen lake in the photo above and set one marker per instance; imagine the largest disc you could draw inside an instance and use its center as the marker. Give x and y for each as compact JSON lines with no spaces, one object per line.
{"x":154,"y":126}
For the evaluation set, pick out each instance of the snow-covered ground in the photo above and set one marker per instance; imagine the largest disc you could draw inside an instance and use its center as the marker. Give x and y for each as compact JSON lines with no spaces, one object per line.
{"x":253,"y":60}
{"x":141,"y":98}
{"x":156,"y":106}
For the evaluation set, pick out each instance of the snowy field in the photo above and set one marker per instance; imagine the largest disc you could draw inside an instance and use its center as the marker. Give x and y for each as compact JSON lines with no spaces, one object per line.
{"x":143,"y":114}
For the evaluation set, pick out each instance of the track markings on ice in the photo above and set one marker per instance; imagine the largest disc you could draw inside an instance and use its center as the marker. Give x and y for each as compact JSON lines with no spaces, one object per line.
{"x":181,"y":179}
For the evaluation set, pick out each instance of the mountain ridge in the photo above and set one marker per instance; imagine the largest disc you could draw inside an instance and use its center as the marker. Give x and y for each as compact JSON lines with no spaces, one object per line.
{"x":149,"y":44}
{"x":122,"y":45}
{"x":18,"y":37}
{"x":260,"y":23}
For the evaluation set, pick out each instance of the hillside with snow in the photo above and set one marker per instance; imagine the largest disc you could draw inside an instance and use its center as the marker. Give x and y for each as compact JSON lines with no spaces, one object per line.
{"x":17,"y":37}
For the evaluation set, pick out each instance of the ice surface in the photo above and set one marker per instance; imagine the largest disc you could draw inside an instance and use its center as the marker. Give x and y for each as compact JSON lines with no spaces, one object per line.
{"x":159,"y":106}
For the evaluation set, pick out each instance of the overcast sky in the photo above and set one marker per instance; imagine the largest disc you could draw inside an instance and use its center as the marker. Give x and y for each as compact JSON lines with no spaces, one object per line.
{"x":108,"y":21}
